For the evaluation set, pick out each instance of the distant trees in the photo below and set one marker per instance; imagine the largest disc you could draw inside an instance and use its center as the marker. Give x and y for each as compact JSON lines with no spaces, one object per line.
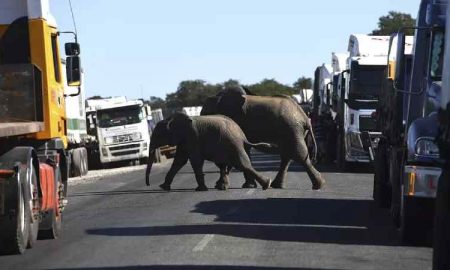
{"x":270,"y":87}
{"x":392,"y":22}
{"x":195,"y":92}
{"x":303,"y":83}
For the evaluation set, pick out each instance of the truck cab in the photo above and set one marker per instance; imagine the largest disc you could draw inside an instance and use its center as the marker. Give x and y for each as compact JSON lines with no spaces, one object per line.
{"x":362,"y":80}
{"x":123,"y":131}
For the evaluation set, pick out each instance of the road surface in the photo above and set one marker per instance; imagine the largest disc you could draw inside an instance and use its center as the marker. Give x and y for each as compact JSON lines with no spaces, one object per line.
{"x":116,"y":222}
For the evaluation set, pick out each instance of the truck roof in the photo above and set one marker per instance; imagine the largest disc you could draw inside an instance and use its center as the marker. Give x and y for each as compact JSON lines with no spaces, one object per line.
{"x":360,"y":45}
{"x":339,"y":61}
{"x":118,"y":105}
{"x":10,"y":10}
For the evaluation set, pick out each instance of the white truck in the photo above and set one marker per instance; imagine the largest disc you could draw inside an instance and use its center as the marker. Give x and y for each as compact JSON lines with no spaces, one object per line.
{"x":121,"y":128}
{"x":362,"y":82}
{"x":346,"y":97}
{"x":77,"y":138}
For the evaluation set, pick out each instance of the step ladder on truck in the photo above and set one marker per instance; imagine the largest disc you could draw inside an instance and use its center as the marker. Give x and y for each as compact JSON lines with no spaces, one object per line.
{"x":34,"y":162}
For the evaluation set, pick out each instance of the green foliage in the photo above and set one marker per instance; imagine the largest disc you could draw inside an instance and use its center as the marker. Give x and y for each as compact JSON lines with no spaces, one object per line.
{"x":270,"y":87}
{"x":392,"y":22}
{"x":303,"y":83}
{"x":195,"y":92}
{"x":156,"y":103}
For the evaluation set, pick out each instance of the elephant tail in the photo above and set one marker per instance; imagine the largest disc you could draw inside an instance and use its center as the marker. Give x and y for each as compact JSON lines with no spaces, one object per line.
{"x":309,"y":131}
{"x":264,"y":147}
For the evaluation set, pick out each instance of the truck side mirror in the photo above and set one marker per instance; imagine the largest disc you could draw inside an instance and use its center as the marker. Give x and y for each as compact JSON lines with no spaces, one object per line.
{"x":73,"y":71}
{"x":399,"y":77}
{"x":72,"y":49}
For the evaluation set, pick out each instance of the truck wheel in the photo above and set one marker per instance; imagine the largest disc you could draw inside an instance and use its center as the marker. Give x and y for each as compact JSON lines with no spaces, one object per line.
{"x":84,"y":161}
{"x":52,"y":222}
{"x":381,"y":190}
{"x":409,"y":231}
{"x":76,"y":162}
{"x":35,"y":207}
{"x":79,"y":162}
{"x":395,"y":168}
{"x":15,"y":231}
{"x":342,"y":163}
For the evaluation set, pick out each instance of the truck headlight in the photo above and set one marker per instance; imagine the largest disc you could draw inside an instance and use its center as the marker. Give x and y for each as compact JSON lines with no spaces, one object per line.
{"x":104,"y":151}
{"x":426,"y":147}
{"x":109,"y":140}
{"x":136,"y":136}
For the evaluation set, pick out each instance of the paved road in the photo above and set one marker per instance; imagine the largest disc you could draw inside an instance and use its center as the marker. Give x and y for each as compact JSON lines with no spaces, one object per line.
{"x":118,"y":223}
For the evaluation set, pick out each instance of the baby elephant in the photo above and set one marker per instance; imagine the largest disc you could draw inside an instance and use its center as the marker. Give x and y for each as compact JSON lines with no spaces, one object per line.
{"x":215,"y":138}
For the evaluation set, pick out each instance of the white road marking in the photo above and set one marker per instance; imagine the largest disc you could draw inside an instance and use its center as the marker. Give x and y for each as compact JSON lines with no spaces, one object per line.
{"x":203,"y":243}
{"x":251,"y":191}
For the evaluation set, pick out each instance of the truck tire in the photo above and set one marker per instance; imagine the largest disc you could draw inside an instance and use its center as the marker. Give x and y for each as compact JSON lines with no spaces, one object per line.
{"x":35,"y":208}
{"x":14,"y":232}
{"x":79,"y":162}
{"x":381,"y":189}
{"x":342,"y":163}
{"x":395,"y":169}
{"x":51,"y":225}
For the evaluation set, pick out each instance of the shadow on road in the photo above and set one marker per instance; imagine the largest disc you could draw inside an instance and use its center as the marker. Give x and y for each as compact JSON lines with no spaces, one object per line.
{"x":191,"y":267}
{"x":350,"y":222}
{"x":267,"y":163}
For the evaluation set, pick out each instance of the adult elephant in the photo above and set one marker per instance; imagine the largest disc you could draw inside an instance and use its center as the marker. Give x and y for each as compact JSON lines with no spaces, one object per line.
{"x":277,"y":120}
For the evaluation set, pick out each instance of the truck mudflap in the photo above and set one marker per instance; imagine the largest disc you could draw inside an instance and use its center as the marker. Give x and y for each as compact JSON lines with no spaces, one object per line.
{"x":421,"y":181}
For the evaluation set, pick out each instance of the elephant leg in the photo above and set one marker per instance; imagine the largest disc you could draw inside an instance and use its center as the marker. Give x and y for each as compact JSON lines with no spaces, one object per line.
{"x":223,"y":182}
{"x":197,"y":166}
{"x":302,"y":157}
{"x":278,"y":182}
{"x":249,"y":178}
{"x":179,"y":161}
{"x":246,"y":166}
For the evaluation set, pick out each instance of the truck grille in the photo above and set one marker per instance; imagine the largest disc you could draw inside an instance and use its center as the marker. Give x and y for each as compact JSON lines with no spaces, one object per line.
{"x":124,"y":153}
{"x":367,"y":123}
{"x":122,"y":138}
{"x":122,"y":147}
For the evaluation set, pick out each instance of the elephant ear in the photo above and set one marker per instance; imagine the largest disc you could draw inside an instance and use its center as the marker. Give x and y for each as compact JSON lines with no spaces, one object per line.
{"x":178,"y":127}
{"x":231,"y":105}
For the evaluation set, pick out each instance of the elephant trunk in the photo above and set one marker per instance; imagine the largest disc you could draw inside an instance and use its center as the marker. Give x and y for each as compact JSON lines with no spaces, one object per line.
{"x":151,"y":159}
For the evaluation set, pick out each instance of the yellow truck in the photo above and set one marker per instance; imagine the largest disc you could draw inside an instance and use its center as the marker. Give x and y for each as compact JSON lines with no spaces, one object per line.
{"x":34,"y":160}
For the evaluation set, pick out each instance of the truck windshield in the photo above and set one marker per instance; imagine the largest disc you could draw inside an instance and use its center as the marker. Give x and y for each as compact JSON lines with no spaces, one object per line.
{"x":437,"y":56}
{"x":119,"y":116}
{"x":366,"y":81}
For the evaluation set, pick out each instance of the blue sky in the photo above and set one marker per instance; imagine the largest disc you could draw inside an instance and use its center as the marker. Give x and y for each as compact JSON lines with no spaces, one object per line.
{"x":142,"y":48}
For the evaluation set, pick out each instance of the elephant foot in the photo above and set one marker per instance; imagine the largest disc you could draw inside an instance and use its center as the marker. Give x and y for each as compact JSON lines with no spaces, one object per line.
{"x":277,"y":184}
{"x":320,"y":182}
{"x":202,"y":188}
{"x":220,"y":185}
{"x":165,"y":187}
{"x":249,"y":185}
{"x":267,"y":183}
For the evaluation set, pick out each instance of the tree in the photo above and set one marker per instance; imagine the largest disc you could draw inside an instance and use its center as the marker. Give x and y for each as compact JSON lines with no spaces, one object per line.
{"x":192,"y":93}
{"x":303,"y":83}
{"x":391,"y":23}
{"x":270,"y":87}
{"x":156,"y":103}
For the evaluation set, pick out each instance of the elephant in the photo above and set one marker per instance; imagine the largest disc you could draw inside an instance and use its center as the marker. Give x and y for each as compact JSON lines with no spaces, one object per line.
{"x":215,"y":138}
{"x":277,"y":120}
